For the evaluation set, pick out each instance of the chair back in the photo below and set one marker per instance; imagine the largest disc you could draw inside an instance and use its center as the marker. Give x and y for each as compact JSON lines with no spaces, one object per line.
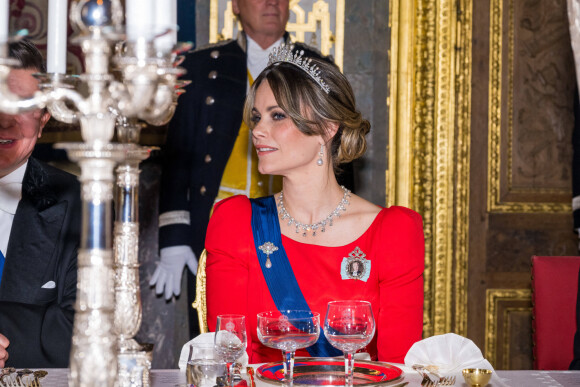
{"x":200,"y":303}
{"x":554,"y":293}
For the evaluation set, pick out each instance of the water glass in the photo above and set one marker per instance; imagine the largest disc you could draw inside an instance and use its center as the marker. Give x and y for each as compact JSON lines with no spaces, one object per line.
{"x":203,"y":365}
{"x":230,"y":340}
{"x":288,"y":331}
{"x":349,"y":326}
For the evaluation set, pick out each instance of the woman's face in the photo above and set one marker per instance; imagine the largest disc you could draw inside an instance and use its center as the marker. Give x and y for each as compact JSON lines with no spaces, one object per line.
{"x":282,"y":148}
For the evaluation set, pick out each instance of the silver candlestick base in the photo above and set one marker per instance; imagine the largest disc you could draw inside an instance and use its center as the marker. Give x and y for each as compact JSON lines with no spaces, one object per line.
{"x":94,"y":345}
{"x":132,"y":359}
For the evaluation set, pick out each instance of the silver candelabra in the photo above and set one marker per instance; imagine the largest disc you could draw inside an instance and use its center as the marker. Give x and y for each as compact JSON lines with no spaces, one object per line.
{"x":125,"y":81}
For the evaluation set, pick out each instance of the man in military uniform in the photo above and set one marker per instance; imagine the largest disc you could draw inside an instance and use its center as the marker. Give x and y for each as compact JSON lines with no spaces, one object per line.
{"x":208,"y":154}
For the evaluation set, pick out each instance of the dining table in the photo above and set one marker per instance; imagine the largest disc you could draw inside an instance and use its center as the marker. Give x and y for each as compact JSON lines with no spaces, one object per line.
{"x":409,"y":378}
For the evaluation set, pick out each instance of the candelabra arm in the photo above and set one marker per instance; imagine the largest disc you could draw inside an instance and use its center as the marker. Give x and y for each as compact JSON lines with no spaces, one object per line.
{"x":61,"y":112}
{"x":61,"y":94}
{"x":132,"y":101}
{"x":161,"y":119}
{"x":50,"y":97}
{"x":161,"y":104}
{"x":11,"y":103}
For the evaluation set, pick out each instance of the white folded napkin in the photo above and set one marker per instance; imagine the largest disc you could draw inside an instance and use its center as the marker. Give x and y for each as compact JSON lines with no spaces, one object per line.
{"x":205,"y":338}
{"x":450,"y":352}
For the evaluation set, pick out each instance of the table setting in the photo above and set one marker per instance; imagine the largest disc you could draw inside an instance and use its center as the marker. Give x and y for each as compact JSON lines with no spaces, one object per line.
{"x":219,"y":359}
{"x":443,"y":360}
{"x":58,"y":377}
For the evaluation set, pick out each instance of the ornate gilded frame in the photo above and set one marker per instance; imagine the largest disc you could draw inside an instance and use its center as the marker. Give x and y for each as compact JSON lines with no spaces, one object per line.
{"x":493,"y":298}
{"x":496,"y":192}
{"x":429,"y":137}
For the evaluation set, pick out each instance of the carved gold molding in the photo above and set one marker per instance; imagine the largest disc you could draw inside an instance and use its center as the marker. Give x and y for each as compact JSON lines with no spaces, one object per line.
{"x":493,"y":297}
{"x":462,"y":51}
{"x":494,"y":199}
{"x":317,"y":21}
{"x":429,"y":139}
{"x":400,"y":101}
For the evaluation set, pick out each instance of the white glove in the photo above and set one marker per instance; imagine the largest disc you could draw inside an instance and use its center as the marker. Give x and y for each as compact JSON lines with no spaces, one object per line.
{"x":170,"y":269}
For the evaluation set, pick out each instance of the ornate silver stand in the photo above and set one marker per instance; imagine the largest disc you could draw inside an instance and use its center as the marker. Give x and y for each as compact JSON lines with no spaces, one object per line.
{"x":94,"y":347}
{"x":142,"y":86}
{"x":134,"y":359}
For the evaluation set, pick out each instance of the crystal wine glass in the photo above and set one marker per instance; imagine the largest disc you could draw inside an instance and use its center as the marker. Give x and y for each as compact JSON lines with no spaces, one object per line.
{"x":230,"y":340}
{"x":288,"y":331}
{"x":349,"y":326}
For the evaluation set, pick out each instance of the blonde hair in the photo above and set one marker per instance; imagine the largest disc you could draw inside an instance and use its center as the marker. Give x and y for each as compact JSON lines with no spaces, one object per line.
{"x":312,"y":109}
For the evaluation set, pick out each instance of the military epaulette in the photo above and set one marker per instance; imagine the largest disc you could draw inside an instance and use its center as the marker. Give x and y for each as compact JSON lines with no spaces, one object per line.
{"x":211,"y":46}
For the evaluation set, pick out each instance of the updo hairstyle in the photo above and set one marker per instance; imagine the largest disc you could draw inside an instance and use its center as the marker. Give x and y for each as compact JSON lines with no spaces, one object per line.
{"x":311,"y":109}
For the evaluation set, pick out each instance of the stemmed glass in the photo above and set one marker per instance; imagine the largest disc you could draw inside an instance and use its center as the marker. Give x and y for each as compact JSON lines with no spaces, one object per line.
{"x":230,"y":340}
{"x":288,"y":331}
{"x":349,"y":326}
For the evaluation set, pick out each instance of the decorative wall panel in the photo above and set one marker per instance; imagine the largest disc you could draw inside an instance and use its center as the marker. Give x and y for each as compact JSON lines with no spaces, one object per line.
{"x":520,"y":181}
{"x":531,"y":96}
{"x":516,"y":353}
{"x":504,"y":325}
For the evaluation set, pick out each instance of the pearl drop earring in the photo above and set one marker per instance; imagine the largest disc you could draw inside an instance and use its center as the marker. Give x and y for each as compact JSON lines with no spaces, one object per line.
{"x":320,"y":161}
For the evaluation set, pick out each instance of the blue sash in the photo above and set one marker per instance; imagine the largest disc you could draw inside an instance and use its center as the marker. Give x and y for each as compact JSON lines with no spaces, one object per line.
{"x":280,"y":278}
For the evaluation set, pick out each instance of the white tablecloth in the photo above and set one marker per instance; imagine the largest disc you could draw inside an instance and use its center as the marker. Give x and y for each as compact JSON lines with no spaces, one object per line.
{"x":528,"y":378}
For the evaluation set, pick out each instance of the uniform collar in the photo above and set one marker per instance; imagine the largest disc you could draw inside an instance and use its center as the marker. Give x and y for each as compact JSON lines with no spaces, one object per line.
{"x":243,"y":43}
{"x":11,"y":189}
{"x":257,"y":57}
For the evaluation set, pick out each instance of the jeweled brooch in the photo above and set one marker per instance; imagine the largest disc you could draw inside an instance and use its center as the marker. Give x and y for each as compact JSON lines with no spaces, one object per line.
{"x":268,"y":248}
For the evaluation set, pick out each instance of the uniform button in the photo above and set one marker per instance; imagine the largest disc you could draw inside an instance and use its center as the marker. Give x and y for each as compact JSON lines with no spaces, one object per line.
{"x":209,"y":129}
{"x":212,"y":74}
{"x":207,"y":158}
{"x":209,"y":100}
{"x":202,"y":190}
{"x":215,"y":54}
{"x":260,"y":183}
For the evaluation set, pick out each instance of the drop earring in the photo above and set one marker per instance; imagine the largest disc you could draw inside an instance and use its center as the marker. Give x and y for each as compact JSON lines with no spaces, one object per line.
{"x":320,"y":161}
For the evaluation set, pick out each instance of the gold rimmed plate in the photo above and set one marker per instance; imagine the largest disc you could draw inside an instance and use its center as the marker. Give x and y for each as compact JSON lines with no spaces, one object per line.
{"x":330,"y":372}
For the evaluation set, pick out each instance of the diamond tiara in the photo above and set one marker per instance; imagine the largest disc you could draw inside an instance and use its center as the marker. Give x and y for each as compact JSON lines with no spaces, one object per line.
{"x":284,"y":54}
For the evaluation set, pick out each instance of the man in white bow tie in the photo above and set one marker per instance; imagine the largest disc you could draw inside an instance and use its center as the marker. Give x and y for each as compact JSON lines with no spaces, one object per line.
{"x":40,"y":214}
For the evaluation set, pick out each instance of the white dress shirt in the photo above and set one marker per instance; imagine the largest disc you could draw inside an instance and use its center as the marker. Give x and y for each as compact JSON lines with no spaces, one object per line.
{"x":10,"y":194}
{"x":258,"y":57}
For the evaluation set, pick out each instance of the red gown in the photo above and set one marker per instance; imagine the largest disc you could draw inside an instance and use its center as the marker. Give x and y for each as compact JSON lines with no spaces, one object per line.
{"x":393,"y":243}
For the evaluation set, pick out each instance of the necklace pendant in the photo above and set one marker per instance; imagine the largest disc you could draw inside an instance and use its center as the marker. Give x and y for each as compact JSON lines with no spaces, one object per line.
{"x":268,"y":262}
{"x":313,"y":228}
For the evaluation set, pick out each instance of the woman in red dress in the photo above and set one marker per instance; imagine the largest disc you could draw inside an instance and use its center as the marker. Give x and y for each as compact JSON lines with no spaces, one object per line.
{"x":313,"y":242}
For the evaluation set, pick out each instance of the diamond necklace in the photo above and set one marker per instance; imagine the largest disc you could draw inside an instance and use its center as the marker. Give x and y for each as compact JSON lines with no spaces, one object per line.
{"x":305,"y":228}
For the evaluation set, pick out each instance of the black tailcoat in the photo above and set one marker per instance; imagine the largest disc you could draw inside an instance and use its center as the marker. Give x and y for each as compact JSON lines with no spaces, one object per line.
{"x":42,"y":248}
